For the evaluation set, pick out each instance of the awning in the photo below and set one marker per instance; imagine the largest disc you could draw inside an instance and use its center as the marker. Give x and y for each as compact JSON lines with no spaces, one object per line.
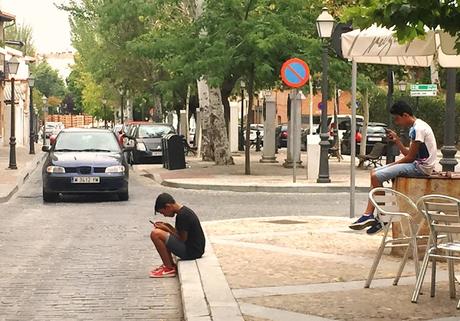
{"x":377,"y":45}
{"x":18,"y":94}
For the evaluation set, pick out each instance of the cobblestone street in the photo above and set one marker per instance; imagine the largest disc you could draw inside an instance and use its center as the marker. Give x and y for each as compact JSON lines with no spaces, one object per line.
{"x":80,"y":259}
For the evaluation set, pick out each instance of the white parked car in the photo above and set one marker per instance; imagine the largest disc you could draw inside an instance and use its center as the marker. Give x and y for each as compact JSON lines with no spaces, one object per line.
{"x":53,"y":128}
{"x":253,"y":132}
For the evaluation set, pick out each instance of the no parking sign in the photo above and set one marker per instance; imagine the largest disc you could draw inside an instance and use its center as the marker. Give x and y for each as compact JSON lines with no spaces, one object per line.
{"x":295,"y":73}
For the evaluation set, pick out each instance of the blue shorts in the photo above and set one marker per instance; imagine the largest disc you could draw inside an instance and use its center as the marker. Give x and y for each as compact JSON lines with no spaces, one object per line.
{"x":387,"y":172}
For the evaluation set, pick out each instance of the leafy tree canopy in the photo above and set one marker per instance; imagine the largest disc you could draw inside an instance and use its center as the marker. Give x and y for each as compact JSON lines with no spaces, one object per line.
{"x":47,"y":81}
{"x":24,"y":33}
{"x":409,"y":17}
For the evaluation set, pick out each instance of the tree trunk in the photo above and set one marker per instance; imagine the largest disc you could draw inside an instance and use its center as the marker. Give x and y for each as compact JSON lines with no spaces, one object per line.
{"x":247,"y":158}
{"x":215,"y":144}
{"x":226,"y":104}
{"x":226,"y":91}
{"x":207,"y":152}
{"x":220,"y":142}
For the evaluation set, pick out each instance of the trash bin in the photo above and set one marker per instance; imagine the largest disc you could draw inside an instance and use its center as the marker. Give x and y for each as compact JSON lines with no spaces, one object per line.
{"x":173,"y":152}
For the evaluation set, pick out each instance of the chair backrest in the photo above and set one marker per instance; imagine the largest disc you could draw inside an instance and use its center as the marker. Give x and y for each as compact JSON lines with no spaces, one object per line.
{"x":394,"y":205}
{"x":442,"y":213}
{"x":377,"y":150}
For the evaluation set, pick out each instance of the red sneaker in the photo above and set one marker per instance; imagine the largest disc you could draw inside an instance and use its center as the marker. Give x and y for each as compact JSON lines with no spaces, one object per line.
{"x":158,"y":268}
{"x":164,"y":272}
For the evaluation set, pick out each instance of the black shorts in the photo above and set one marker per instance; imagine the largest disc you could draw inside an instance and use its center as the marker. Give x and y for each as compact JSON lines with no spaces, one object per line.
{"x":176,"y":246}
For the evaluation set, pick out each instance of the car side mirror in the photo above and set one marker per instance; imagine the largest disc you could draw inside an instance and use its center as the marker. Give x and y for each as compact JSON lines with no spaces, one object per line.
{"x":46,"y":148}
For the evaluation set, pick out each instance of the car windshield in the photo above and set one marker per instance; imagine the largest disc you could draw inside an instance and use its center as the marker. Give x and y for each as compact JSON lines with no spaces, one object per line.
{"x":86,"y":142}
{"x":375,"y":130}
{"x":52,"y":125}
{"x":150,"y":131}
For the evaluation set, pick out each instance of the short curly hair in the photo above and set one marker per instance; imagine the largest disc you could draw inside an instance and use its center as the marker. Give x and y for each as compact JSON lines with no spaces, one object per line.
{"x":400,"y":107}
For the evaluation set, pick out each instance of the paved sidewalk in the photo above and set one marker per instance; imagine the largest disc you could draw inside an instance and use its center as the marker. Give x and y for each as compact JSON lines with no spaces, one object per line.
{"x":11,"y":180}
{"x":307,"y":268}
{"x":265,"y":177}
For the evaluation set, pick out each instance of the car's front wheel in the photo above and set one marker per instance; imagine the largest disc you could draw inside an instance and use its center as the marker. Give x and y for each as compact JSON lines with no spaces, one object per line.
{"x":50,"y":197}
{"x":124,"y":196}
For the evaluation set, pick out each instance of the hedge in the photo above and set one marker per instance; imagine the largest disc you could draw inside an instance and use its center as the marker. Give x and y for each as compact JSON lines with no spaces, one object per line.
{"x":430,"y":109}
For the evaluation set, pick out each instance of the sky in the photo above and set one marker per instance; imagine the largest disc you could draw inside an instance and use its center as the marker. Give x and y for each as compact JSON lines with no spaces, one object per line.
{"x":51,"y":29}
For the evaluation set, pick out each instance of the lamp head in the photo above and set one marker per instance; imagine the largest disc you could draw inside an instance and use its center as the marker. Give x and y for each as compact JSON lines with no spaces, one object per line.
{"x":13,"y":65}
{"x":31,"y":81}
{"x":402,"y":85}
{"x":325,"y":24}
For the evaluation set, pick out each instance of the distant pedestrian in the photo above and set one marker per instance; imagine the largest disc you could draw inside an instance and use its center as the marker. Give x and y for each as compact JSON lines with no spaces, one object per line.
{"x":419,"y":159}
{"x":186,"y":240}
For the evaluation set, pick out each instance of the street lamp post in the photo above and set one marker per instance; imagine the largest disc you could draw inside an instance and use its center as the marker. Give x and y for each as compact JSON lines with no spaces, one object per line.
{"x":104,"y":102}
{"x":404,"y":132}
{"x":449,"y":150}
{"x":241,"y":139}
{"x":325,"y":25}
{"x":31,"y":82}
{"x":122,"y":108}
{"x":45,"y":114}
{"x":13,"y":66}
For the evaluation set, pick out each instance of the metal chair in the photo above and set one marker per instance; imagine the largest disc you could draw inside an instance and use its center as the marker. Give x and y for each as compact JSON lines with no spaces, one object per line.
{"x":443,"y":216}
{"x":394,"y":208}
{"x":374,"y":157}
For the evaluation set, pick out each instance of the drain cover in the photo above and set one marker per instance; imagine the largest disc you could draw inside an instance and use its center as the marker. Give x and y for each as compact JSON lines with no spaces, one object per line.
{"x":286,"y":222}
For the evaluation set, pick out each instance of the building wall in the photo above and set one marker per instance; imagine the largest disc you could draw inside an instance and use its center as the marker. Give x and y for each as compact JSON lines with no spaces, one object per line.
{"x":61,"y":61}
{"x":281,"y":105}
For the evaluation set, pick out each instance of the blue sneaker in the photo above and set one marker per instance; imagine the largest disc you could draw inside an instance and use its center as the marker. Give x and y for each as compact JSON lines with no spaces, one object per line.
{"x":376,"y":227}
{"x":363,"y":222}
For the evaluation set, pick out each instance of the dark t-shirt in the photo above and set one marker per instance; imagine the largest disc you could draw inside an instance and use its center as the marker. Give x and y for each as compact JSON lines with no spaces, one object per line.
{"x":187,"y":221}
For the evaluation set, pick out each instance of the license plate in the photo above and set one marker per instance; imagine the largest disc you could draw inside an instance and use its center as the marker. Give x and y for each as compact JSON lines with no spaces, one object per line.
{"x":157,"y":153}
{"x":375,"y":139}
{"x":86,"y":180}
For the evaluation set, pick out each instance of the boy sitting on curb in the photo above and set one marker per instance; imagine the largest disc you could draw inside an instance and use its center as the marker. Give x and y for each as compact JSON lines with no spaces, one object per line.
{"x":186,"y":240}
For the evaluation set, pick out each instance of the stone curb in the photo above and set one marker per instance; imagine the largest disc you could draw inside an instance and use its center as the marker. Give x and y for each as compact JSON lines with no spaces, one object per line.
{"x":23,"y":176}
{"x":205,"y":292}
{"x":258,"y":188}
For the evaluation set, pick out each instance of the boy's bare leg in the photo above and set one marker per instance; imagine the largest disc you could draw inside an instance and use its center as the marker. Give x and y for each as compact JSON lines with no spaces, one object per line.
{"x":158,"y":238}
{"x":374,"y":183}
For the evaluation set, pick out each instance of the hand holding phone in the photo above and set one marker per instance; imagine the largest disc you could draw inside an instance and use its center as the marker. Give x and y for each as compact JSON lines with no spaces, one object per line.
{"x":391,"y":134}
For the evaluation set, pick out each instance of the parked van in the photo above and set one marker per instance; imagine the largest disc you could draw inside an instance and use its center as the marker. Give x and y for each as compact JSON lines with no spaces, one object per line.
{"x":344,"y":123}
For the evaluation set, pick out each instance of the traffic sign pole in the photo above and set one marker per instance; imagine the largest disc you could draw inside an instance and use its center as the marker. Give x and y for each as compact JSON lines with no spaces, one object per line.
{"x":295,"y":74}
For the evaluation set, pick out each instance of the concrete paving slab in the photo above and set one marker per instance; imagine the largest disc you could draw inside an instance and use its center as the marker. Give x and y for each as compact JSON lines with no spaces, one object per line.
{"x":277,"y":314}
{"x":269,"y":178}
{"x":194,"y":302}
{"x":205,"y":292}
{"x":301,"y":281}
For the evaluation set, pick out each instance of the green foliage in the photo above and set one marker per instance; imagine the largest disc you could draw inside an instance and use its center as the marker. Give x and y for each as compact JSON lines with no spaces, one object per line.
{"x":101,"y":32}
{"x":409,"y":17}
{"x":430,"y":109}
{"x":47,"y":81}
{"x":75,"y":91}
{"x":158,"y":48}
{"x":24,"y":33}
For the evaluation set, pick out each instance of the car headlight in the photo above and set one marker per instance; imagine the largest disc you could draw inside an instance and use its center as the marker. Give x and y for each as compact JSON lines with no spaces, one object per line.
{"x":141,"y":147}
{"x":115,"y":169}
{"x":55,"y":170}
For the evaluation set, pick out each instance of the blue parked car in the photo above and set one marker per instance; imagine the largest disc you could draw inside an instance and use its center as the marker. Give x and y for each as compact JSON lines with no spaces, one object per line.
{"x":84,"y":161}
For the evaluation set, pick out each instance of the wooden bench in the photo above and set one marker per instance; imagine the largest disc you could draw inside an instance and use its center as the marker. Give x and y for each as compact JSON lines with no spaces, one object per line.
{"x":416,"y":187}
